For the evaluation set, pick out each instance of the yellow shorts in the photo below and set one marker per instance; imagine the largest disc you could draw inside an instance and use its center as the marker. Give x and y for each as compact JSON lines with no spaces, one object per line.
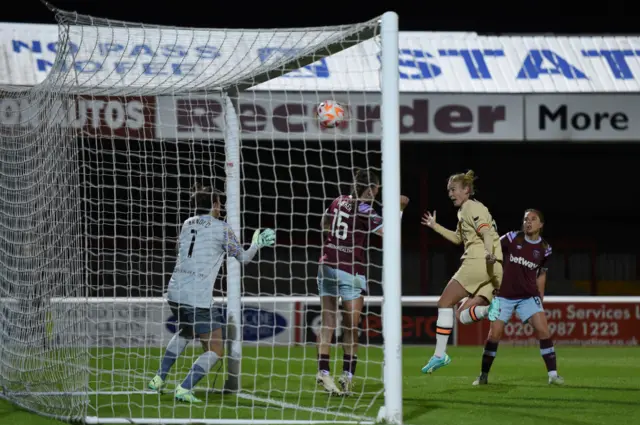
{"x":479,"y":278}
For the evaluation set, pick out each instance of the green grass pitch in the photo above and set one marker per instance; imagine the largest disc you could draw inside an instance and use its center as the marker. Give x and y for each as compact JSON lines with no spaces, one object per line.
{"x":602,"y":387}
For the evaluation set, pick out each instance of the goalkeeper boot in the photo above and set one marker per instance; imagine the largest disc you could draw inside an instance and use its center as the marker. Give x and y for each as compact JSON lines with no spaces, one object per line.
{"x":327,"y":383}
{"x":346,"y":383}
{"x":556,"y":380}
{"x":157,"y":384}
{"x":494,"y":309}
{"x":436,"y":363}
{"x":186,"y":395}
{"x":483,"y":379}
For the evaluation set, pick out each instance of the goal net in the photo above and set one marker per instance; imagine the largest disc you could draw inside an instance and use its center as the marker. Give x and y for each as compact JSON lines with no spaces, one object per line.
{"x":97,"y":163}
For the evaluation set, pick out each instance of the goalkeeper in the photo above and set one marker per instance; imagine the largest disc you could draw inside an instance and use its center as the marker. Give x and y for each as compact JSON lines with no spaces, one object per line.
{"x":203,"y":241}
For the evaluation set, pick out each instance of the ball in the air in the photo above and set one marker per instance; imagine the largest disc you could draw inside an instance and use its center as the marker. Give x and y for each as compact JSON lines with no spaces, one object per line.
{"x":330,"y":114}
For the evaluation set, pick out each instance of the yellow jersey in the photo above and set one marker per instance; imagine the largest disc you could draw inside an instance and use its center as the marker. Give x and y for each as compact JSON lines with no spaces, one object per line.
{"x":473,"y":216}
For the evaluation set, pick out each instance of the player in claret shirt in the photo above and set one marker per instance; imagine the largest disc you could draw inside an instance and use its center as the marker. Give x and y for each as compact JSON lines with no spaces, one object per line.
{"x":480,"y":272}
{"x":522,"y":290}
{"x":349,"y":221}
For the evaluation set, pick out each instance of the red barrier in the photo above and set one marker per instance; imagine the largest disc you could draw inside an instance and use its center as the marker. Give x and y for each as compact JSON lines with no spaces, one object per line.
{"x":570,"y":324}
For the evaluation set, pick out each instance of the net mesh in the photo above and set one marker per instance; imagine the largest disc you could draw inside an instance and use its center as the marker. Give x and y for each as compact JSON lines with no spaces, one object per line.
{"x":42,"y":257}
{"x":96,"y":166}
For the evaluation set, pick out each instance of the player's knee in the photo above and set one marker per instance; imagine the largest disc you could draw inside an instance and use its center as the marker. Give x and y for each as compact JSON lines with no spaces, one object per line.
{"x":444,"y":302}
{"x":543,"y":334}
{"x":218,"y":349}
{"x":482,"y":300}
{"x":215,"y":345}
{"x":328,"y":320}
{"x":351,"y":322}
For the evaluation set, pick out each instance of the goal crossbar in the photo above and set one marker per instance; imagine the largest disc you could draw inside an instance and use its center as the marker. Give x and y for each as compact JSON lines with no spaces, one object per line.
{"x":343,"y":38}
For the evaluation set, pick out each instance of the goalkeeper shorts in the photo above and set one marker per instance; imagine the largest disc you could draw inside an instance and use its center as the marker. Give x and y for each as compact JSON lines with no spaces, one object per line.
{"x":338,"y":283}
{"x":193,"y":321}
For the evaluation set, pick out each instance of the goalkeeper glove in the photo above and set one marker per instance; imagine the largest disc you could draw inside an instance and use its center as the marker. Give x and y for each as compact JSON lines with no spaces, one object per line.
{"x":266,"y":238}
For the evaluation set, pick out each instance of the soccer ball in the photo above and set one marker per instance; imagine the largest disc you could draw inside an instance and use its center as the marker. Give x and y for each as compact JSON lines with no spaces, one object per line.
{"x":330,"y":114}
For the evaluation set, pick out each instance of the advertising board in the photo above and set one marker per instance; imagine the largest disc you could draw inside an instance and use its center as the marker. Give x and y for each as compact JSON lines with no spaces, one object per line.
{"x":428,"y":61}
{"x":291,"y":116}
{"x":570,"y":323}
{"x":117,"y":116}
{"x":418,"y":325}
{"x":580,"y":118}
{"x":122,"y":324}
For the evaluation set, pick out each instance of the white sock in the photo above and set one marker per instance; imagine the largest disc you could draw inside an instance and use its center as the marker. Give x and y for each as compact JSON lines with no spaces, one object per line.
{"x":477,"y":311}
{"x":553,"y":373}
{"x":176,"y":346}
{"x":444,"y":327}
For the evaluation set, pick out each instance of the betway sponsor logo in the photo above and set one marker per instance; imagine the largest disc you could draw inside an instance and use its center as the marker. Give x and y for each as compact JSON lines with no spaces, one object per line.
{"x":293,"y":117}
{"x":521,"y":261}
{"x":126,"y":117}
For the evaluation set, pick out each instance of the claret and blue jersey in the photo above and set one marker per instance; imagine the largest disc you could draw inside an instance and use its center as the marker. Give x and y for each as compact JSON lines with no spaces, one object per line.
{"x":342,"y":265}
{"x":524,"y":260}
{"x":351,"y":223}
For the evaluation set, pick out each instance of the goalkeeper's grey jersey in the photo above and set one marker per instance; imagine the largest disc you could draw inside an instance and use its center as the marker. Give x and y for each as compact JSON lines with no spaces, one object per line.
{"x":203,"y":242}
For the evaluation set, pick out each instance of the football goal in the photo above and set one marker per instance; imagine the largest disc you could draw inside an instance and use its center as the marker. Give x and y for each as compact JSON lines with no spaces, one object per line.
{"x":97,"y":160}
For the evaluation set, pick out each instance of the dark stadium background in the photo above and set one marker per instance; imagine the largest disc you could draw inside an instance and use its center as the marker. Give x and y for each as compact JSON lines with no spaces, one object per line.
{"x":588,"y":191}
{"x":589,"y":208}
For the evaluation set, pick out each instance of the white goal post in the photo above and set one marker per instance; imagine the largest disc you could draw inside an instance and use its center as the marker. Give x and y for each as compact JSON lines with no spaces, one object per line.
{"x":90,"y":154}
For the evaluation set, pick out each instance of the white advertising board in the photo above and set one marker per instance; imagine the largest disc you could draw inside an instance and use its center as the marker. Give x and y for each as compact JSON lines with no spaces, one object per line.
{"x":429,"y":62}
{"x":601,"y":118}
{"x":150,"y":323}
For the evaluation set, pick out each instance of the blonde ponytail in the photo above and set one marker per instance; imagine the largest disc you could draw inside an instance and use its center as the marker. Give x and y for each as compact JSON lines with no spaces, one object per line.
{"x":466,"y":180}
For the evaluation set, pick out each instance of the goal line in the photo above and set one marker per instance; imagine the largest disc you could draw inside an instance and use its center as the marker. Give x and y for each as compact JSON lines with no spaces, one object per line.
{"x":349,"y":418}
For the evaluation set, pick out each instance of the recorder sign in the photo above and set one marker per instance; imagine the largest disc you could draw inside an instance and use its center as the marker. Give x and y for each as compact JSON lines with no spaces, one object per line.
{"x":293,"y":117}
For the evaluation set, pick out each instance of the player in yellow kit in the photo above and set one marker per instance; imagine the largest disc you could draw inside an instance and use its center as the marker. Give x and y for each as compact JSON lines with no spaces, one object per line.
{"x":480,"y":272}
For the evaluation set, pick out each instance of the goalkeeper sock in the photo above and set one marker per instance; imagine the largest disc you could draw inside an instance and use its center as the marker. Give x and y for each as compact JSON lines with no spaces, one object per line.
{"x":473,"y":314}
{"x":489,"y":355}
{"x":174,"y":349}
{"x":549,"y":356}
{"x":444,"y":327}
{"x":199,"y":370}
{"x":349,"y":364}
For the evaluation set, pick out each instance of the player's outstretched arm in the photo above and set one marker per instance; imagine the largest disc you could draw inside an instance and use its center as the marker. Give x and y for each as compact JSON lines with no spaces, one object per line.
{"x":429,"y":220}
{"x":259,"y":240}
{"x":325,"y":223}
{"x":404,"y":201}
